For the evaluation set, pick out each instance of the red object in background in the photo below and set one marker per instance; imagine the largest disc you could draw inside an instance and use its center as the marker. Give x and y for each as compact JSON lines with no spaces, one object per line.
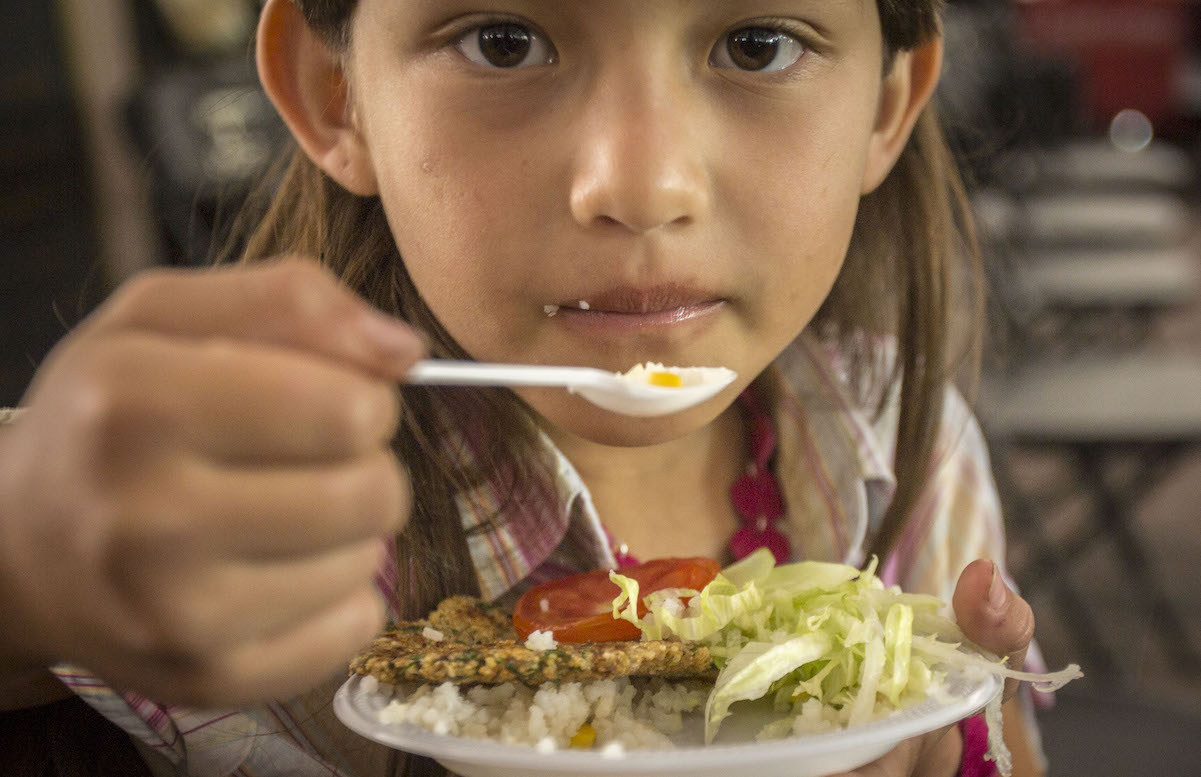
{"x":1130,"y":53}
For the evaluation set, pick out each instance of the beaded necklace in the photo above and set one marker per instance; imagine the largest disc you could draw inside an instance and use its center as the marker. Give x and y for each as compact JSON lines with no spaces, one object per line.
{"x":755,"y":494}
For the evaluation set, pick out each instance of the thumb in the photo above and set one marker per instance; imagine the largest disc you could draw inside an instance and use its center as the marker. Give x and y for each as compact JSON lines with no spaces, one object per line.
{"x":993,"y":616}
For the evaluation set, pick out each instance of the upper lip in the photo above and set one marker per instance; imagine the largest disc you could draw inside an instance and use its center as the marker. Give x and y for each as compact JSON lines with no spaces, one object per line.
{"x":644,"y":299}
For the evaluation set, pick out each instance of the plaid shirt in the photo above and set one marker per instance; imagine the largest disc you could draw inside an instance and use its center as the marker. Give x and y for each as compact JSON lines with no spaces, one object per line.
{"x":834,"y":467}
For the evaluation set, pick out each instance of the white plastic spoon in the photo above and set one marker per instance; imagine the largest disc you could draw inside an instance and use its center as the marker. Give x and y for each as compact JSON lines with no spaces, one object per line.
{"x":628,"y":393}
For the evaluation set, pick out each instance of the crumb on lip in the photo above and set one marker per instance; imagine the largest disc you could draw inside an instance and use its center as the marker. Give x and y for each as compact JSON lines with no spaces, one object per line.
{"x":584,"y":305}
{"x":550,"y":310}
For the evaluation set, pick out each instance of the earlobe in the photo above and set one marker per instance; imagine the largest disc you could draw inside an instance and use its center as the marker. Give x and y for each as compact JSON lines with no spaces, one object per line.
{"x":306,"y":81}
{"x":907,"y":89}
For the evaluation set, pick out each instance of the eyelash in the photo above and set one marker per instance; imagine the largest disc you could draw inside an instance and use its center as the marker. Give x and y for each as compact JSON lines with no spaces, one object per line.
{"x":777,"y":25}
{"x":459,"y":37}
{"x":785,"y":27}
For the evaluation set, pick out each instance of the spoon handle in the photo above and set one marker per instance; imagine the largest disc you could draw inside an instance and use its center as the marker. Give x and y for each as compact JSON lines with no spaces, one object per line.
{"x":447,"y":372}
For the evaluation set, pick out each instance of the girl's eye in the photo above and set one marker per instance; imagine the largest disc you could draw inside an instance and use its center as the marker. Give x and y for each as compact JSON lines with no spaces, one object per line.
{"x":760,"y":49}
{"x":505,"y":45}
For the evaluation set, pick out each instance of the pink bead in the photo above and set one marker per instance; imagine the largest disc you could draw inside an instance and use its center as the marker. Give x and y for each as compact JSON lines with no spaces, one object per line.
{"x":747,"y":540}
{"x":763,"y":441}
{"x":757,"y":496}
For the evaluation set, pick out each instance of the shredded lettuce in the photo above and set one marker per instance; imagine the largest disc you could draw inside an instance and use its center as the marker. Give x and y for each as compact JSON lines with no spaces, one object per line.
{"x":817,"y":633}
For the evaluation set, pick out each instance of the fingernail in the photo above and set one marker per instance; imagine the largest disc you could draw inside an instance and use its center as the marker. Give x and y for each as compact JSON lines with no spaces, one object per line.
{"x":391,"y":335}
{"x":997,"y":592}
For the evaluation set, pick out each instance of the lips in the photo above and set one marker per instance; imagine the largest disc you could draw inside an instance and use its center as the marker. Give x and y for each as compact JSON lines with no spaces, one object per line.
{"x":632,"y":300}
{"x":670,"y":310}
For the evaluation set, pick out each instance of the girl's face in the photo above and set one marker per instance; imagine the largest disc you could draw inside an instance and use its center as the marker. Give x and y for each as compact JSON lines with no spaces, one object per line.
{"x":607,"y":183}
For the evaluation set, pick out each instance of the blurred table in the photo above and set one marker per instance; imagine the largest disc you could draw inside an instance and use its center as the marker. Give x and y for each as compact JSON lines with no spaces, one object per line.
{"x":1093,"y":411}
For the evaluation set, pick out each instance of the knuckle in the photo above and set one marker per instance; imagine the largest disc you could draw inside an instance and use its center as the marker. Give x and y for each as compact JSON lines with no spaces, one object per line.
{"x":367,"y":414}
{"x":373,"y":491}
{"x":308,"y":297}
{"x":366,"y":613}
{"x":105,"y":406}
{"x":363,"y":560}
{"x":207,"y":684}
{"x":402,"y":494}
{"x":183,"y":629}
{"x":138,"y":292}
{"x":173,"y":605}
{"x":1023,"y":627}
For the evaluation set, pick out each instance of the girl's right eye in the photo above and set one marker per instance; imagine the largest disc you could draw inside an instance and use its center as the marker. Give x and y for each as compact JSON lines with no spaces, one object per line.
{"x":505,"y":45}
{"x":757,"y":49}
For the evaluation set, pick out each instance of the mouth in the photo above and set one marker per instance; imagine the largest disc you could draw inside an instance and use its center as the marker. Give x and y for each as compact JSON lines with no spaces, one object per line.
{"x":634,"y":300}
{"x":630,"y":307}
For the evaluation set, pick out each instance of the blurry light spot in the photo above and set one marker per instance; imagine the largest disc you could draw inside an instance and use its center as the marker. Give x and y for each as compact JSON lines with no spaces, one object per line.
{"x":1131,"y":130}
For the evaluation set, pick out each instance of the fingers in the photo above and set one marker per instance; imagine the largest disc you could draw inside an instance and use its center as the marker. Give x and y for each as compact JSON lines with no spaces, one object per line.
{"x":992,"y":616}
{"x":289,"y":303}
{"x":214,"y":609}
{"x":206,"y":476}
{"x":235,"y":403}
{"x":291,"y":659}
{"x":273,"y":514}
{"x":279,"y":665}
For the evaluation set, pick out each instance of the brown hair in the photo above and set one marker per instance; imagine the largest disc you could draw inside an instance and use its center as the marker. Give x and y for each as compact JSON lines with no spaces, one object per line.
{"x":911,"y":257}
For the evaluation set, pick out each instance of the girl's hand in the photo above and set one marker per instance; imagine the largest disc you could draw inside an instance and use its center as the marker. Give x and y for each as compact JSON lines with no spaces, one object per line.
{"x":194,"y":502}
{"x":997,"y":620}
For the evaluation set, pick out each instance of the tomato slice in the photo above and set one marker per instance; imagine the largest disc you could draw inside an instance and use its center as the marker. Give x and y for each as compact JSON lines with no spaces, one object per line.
{"x":579,"y":608}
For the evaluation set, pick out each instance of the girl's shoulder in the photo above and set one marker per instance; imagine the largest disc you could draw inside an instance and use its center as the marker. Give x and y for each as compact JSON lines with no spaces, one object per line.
{"x":858,"y":378}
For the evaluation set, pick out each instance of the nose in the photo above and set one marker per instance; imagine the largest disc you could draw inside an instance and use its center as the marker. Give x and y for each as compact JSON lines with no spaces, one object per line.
{"x":640,"y":160}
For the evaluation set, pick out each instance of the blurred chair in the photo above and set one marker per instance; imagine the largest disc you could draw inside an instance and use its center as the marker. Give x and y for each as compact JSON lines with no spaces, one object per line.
{"x":1137,"y":408}
{"x":1088,"y":243}
{"x":1096,"y":260}
{"x":199,"y":119}
{"x":207,"y":132}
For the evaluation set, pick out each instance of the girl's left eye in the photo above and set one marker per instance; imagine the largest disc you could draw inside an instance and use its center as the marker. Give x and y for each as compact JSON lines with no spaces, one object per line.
{"x":505,"y":45}
{"x":757,"y":49}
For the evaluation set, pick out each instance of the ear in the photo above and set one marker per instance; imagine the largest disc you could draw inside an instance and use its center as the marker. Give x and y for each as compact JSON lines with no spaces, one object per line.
{"x":906,"y":91}
{"x":306,"y":81}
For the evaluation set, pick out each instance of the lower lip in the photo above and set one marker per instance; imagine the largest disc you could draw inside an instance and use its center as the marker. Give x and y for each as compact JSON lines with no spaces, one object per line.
{"x":599,"y":321}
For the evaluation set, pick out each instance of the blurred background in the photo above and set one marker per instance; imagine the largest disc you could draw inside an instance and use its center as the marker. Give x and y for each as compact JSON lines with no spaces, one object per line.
{"x":131,"y":129}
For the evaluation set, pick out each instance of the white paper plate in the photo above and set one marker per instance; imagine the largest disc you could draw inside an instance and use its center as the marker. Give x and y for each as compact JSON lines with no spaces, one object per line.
{"x":734,"y":754}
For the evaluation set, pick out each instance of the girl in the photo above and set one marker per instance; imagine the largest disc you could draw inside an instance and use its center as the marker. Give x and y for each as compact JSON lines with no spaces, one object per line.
{"x":194,"y":495}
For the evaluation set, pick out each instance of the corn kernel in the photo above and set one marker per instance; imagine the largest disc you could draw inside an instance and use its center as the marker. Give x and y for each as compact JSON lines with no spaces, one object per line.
{"x":584,"y":738}
{"x":668,"y":379}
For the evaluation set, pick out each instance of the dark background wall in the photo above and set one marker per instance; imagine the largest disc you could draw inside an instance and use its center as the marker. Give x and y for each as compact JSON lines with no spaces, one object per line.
{"x":48,"y":254}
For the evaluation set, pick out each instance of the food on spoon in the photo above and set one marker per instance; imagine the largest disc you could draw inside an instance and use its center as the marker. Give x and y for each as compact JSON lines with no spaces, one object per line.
{"x":665,"y":379}
{"x":656,"y":374}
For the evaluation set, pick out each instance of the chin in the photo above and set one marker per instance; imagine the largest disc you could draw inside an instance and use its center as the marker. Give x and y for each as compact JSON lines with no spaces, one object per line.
{"x":566,"y":414}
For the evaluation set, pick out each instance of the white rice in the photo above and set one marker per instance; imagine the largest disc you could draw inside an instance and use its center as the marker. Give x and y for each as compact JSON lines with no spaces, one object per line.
{"x":541,"y":640}
{"x":625,"y":715}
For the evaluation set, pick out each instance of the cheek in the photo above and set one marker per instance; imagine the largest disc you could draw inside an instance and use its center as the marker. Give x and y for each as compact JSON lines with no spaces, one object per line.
{"x":799,"y":232}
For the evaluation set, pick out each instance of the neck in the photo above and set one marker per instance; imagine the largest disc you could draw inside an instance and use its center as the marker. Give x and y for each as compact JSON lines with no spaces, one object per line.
{"x":669,"y":499}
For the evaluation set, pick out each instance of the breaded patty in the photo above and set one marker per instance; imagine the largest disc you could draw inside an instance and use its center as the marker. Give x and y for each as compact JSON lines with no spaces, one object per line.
{"x":472,"y":621}
{"x":480,"y":646}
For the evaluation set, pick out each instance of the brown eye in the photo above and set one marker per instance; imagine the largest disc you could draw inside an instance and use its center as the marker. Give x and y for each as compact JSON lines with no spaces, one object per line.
{"x":757,"y":49}
{"x":505,"y":45}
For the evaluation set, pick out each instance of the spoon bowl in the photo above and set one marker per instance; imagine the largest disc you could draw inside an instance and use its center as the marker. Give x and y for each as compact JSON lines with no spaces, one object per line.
{"x":628,"y":393}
